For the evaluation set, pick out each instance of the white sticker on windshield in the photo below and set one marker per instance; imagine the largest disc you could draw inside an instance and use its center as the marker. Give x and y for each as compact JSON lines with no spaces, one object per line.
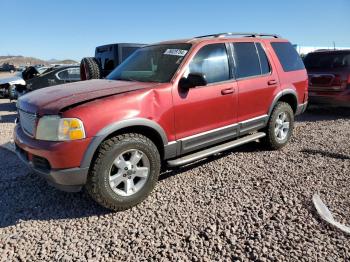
{"x":177,"y":52}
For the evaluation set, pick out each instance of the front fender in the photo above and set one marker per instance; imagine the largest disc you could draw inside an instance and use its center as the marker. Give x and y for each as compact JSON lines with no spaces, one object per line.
{"x":110,"y":129}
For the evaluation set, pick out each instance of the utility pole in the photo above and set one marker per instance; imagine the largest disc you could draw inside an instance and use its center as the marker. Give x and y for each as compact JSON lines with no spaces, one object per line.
{"x":333,"y":45}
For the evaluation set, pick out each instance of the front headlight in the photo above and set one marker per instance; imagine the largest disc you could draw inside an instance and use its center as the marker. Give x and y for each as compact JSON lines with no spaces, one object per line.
{"x":54,"y":128}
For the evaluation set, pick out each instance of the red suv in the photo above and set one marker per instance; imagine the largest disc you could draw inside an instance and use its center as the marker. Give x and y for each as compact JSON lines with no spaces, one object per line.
{"x":329,"y":77}
{"x":170,"y":104}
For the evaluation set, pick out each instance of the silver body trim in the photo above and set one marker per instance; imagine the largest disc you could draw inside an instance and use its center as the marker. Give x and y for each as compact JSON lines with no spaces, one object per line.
{"x":213,"y":150}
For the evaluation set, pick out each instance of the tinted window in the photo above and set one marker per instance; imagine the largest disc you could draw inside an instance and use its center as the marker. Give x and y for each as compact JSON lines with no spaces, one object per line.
{"x":156,"y":63}
{"x":264,"y":62}
{"x":69,"y":74}
{"x":288,"y":56}
{"x":212,"y":62}
{"x":63,"y":75}
{"x":127,"y":51}
{"x":246,"y":60}
{"x":327,"y":60}
{"x":74,"y":73}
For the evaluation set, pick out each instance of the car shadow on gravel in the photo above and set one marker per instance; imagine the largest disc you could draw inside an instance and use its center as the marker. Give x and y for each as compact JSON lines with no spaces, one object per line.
{"x":325,"y":154}
{"x":318,"y":113}
{"x":25,"y":196}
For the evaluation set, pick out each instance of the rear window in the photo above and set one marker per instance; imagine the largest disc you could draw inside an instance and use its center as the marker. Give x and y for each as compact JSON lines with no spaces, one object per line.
{"x":288,"y":56}
{"x":327,"y":60}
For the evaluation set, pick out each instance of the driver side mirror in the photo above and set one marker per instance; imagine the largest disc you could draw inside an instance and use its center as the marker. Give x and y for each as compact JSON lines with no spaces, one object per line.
{"x":193,"y":80}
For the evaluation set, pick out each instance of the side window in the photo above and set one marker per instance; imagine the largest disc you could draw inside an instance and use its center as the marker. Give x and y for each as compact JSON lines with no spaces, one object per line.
{"x":69,"y":74}
{"x":264,"y":62}
{"x":246,"y":60}
{"x":212,"y":62}
{"x":288,"y":56}
{"x":74,"y":73}
{"x":62,"y":75}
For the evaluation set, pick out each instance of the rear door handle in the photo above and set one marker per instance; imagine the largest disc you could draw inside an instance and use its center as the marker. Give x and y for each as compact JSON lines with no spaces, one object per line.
{"x":272,"y":82}
{"x":227,"y":91}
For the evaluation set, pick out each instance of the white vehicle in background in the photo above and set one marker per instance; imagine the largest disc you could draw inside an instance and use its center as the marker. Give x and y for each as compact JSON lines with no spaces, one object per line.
{"x":8,"y":85}
{"x":15,"y":86}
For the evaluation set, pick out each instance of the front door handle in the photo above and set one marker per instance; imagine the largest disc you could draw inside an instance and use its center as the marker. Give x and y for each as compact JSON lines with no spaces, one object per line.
{"x":227,"y":91}
{"x":272,"y":82}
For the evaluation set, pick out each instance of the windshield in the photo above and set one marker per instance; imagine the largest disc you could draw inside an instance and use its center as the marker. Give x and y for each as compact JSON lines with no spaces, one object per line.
{"x":156,"y":63}
{"x":327,"y":60}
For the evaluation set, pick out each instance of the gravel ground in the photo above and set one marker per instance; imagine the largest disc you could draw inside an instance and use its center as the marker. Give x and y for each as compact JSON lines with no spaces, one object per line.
{"x":245,"y":204}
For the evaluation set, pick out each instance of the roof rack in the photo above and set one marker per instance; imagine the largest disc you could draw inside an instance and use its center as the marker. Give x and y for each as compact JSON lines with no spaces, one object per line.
{"x":240,"y":34}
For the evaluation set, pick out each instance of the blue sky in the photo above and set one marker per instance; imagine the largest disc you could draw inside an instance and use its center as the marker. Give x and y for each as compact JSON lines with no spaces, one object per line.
{"x":72,"y":29}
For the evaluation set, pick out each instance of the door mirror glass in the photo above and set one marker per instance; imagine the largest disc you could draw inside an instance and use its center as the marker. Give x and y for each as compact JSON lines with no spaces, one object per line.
{"x":192,"y":80}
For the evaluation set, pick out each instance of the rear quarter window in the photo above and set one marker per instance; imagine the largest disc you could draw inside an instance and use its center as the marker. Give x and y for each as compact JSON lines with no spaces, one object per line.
{"x":288,"y":56}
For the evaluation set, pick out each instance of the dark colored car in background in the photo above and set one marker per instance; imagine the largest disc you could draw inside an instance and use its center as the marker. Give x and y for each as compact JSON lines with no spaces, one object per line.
{"x":36,"y":77}
{"x":110,"y":56}
{"x":54,"y":76}
{"x":5,"y":67}
{"x":329,"y":77}
{"x":107,"y":57}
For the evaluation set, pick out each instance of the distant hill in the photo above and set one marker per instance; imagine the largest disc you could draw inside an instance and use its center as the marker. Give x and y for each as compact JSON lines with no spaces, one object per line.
{"x":23,"y":60}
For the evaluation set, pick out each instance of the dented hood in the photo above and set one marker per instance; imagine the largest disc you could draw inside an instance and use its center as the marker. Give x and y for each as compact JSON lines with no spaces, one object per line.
{"x":52,"y":100}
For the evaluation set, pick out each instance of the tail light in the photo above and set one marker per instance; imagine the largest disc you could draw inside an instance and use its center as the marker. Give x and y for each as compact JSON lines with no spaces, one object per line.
{"x":348,"y":79}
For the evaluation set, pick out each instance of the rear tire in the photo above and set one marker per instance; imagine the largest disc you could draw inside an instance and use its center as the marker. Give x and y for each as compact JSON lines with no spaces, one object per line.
{"x":280,"y":126}
{"x":90,"y":69}
{"x":124,"y":172}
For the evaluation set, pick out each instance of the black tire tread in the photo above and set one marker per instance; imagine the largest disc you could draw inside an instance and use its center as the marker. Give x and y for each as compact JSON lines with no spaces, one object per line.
{"x":92,"y":66}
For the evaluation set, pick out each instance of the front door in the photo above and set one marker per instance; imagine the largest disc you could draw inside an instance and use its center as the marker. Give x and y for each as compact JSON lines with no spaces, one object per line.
{"x":205,"y":115}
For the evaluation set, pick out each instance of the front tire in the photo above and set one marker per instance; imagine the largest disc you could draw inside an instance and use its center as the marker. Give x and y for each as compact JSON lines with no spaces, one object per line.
{"x":124,"y":172}
{"x":280,"y":126}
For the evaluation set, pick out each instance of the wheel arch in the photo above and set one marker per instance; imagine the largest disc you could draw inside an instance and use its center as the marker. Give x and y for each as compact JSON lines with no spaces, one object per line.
{"x":143,"y":126}
{"x":289,"y":96}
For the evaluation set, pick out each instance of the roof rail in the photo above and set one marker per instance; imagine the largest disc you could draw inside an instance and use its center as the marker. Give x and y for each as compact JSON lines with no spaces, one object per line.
{"x":240,"y":34}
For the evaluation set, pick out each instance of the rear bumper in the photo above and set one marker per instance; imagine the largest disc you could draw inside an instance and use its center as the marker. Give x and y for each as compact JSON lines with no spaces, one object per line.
{"x":333,"y":99}
{"x":57,"y":162}
{"x":301,"y":108}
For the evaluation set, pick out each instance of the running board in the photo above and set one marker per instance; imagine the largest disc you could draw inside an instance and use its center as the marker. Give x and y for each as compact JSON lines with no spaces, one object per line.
{"x":215,"y":149}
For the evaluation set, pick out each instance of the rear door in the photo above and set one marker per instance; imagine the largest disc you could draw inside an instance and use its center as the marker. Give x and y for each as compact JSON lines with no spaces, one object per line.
{"x":257,"y":83}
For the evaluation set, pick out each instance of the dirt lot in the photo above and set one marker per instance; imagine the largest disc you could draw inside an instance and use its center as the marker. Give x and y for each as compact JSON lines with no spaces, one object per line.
{"x":245,"y":204}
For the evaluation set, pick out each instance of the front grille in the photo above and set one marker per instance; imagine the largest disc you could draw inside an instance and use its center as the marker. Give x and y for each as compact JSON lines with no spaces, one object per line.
{"x":27,"y":122}
{"x":41,"y":163}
